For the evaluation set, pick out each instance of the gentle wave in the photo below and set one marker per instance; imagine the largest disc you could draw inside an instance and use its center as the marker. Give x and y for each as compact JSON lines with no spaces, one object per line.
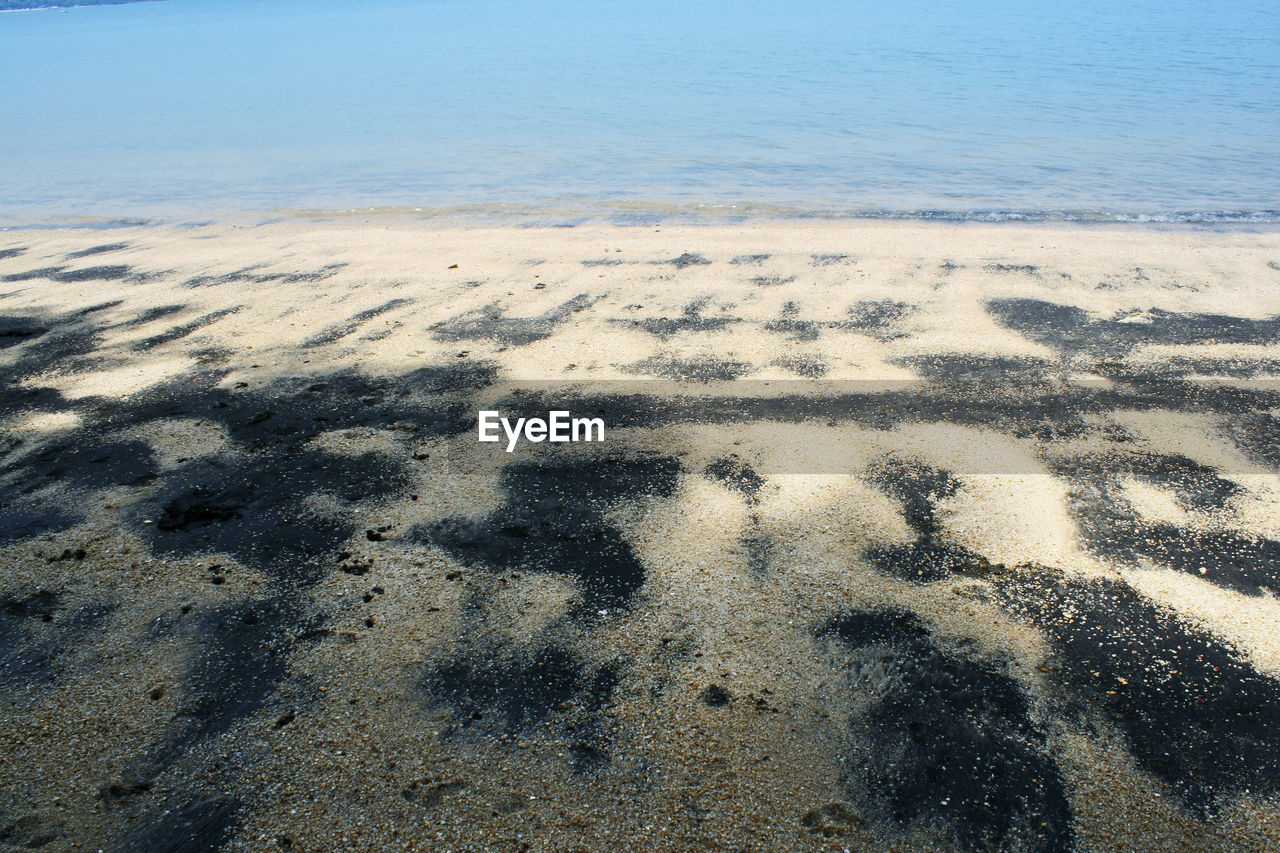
{"x":632,"y":214}
{"x":639,"y":214}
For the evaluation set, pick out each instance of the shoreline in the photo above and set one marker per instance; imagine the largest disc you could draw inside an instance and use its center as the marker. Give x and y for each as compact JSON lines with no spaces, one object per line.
{"x":643,"y":214}
{"x":881,"y":506}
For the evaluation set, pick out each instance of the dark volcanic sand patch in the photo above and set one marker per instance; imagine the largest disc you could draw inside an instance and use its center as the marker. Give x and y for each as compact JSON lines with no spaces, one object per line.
{"x":983,"y":373}
{"x":24,"y":515}
{"x":38,"y":628}
{"x":791,"y":324}
{"x":16,"y":330}
{"x":704,"y":368}
{"x":92,"y":463}
{"x":244,"y":274}
{"x":70,"y":349}
{"x":381,"y":334}
{"x":185,"y":826}
{"x":772,"y":280}
{"x":830,"y":260}
{"x":733,"y":473}
{"x":253,"y":506}
{"x":114,"y":272}
{"x":715,"y":696}
{"x":1111,"y":528}
{"x":880,"y":319}
{"x":688,"y":259}
{"x":1257,"y":434}
{"x":32,"y":275}
{"x":491,"y":323}
{"x":253,"y":275}
{"x":157,"y":313}
{"x":325,"y":272}
{"x":65,"y":343}
{"x":512,"y":689}
{"x":946,"y":742}
{"x":691,"y":320}
{"x":919,"y":487}
{"x":101,"y":306}
{"x":5,"y":254}
{"x":1194,"y":713}
{"x":239,"y":657}
{"x":1237,"y":368}
{"x":1026,"y":269}
{"x":749,"y":260}
{"x":1071,"y":330}
{"x":257,"y":511}
{"x":342,"y":330}
{"x":760,"y":551}
{"x":553,"y":520}
{"x":929,"y":558}
{"x":184,"y":329}
{"x":96,"y":250}
{"x":810,"y":367}
{"x":1197,"y":486}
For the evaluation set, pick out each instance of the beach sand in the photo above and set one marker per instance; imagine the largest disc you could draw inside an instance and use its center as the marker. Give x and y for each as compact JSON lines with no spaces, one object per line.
{"x":902,"y":537}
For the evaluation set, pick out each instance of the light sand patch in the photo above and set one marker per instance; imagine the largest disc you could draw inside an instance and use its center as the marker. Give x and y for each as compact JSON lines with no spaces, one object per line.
{"x":1120,"y":808}
{"x":827,"y":520}
{"x":687,"y":540}
{"x":120,"y":382}
{"x":529,"y":605}
{"x":1014,"y":519}
{"x":1159,"y":506}
{"x":178,"y":441}
{"x":1196,"y":436}
{"x":47,"y":423}
{"x":1199,"y":437}
{"x":1157,"y":354}
{"x":361,"y":441}
{"x":964,"y":327}
{"x":1257,"y":508}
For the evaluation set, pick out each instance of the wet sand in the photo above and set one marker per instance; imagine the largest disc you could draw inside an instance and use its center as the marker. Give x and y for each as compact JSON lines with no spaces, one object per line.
{"x":902,"y":537}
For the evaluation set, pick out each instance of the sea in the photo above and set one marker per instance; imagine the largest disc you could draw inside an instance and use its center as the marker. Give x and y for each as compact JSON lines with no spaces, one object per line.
{"x":563,"y":111}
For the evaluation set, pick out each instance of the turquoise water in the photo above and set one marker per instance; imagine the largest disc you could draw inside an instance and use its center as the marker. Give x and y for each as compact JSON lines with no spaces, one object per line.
{"x":205,"y":108}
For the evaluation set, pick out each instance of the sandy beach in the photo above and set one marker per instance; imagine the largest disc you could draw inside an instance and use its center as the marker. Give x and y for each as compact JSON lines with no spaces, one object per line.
{"x":902,"y":536}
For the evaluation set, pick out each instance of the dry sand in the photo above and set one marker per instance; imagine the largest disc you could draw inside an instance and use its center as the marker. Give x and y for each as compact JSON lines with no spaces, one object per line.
{"x":902,"y":537}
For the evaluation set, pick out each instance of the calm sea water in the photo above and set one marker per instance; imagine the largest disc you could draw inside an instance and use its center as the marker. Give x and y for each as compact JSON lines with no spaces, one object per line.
{"x":203,"y":108}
